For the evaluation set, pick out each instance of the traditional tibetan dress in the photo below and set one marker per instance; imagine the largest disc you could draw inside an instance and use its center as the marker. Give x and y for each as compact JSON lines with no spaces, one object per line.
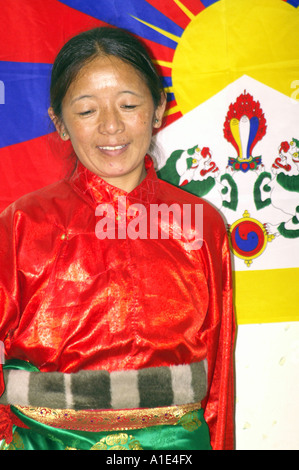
{"x":117,"y":321}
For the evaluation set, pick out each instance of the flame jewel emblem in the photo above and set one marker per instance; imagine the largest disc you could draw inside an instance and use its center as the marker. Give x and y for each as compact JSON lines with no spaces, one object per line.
{"x":244,"y":126}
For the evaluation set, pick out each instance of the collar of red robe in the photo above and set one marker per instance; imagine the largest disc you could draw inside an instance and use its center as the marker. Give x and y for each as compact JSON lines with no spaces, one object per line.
{"x":96,"y":191}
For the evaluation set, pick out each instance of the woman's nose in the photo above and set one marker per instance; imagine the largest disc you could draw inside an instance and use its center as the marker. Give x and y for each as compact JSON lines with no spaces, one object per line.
{"x":110,"y":122}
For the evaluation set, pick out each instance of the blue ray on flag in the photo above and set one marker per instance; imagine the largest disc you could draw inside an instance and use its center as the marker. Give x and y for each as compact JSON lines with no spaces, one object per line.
{"x":23,"y":114}
{"x":170,"y":97}
{"x":294,"y":3}
{"x":167,"y":83}
{"x":123,"y":14}
{"x":207,"y":3}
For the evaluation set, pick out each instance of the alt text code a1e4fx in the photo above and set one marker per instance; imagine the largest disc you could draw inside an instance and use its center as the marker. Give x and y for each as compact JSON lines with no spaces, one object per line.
{"x":152,"y":459}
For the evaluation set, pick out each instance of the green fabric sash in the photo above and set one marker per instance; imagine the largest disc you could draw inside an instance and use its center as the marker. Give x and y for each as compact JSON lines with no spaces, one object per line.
{"x":191,"y":433}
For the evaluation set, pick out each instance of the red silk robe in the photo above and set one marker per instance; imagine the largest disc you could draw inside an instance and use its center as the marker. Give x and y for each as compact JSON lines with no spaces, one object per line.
{"x":70,"y":300}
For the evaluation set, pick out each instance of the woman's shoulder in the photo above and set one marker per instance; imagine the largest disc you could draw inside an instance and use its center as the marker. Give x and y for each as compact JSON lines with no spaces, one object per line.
{"x":40,"y":200}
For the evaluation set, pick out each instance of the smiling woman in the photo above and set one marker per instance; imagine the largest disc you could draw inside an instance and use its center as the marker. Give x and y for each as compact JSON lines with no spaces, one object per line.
{"x":107,"y":99}
{"x":109,"y":114}
{"x":110,"y":334}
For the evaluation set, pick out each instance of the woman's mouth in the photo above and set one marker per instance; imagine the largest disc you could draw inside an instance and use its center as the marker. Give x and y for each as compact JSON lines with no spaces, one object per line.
{"x":108,"y":147}
{"x":112,"y":150}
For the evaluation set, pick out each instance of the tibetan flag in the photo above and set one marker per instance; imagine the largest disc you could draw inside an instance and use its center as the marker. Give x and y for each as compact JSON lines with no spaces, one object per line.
{"x":230,"y":69}
{"x":234,"y":77}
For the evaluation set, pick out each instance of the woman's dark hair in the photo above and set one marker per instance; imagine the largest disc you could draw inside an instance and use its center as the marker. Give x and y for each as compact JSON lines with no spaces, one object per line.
{"x":86,"y":46}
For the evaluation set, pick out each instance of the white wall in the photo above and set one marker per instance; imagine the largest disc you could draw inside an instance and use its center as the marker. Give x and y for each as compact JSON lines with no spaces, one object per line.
{"x":267,"y":386}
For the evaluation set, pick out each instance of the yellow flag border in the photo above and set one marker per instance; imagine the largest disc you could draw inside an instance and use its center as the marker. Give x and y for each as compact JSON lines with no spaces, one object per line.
{"x":266,"y":296}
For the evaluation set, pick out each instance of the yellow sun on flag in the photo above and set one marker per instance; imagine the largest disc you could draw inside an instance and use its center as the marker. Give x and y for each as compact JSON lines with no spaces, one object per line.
{"x":232,"y":38}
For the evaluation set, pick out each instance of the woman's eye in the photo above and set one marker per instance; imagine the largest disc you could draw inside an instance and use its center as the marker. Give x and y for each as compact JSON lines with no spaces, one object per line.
{"x":129,"y":106}
{"x":85,"y":113}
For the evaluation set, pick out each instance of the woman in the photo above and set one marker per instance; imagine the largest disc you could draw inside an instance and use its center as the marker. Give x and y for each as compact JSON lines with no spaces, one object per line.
{"x":118,"y":328}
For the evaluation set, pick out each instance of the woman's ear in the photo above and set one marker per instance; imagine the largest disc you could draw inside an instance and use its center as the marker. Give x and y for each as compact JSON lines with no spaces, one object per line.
{"x":159,"y":111}
{"x":60,"y":127}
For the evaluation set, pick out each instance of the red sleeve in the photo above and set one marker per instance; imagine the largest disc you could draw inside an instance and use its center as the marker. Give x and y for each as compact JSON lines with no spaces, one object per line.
{"x":9,"y":310}
{"x":219,"y":337}
{"x":9,"y":288}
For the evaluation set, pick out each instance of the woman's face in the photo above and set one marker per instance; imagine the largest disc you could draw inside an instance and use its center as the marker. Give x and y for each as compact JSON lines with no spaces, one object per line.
{"x":108,"y":114}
